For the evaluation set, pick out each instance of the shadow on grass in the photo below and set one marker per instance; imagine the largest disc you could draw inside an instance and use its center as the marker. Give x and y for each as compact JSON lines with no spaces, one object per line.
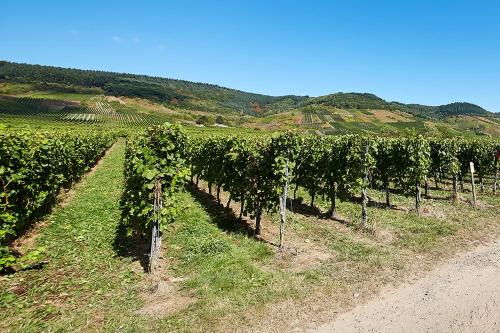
{"x":130,"y":246}
{"x":299,"y":207}
{"x":381,"y":205}
{"x":225,"y":218}
{"x":439,"y":197}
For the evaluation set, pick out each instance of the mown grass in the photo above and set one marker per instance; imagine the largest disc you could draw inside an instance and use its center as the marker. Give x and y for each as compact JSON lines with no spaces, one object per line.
{"x":224,"y":271}
{"x":85,"y":286}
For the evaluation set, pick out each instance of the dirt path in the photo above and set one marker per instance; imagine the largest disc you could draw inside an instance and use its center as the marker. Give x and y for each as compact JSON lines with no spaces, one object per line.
{"x":460,"y":296}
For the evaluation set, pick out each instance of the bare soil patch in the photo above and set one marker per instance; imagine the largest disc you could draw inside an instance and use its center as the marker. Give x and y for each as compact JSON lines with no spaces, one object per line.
{"x":115,"y":99}
{"x":164,"y":299}
{"x":57,"y":105}
{"x":388,"y":116}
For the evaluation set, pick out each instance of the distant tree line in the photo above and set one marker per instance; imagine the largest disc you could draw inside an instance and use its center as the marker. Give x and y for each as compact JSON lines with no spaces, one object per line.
{"x":208,"y":97}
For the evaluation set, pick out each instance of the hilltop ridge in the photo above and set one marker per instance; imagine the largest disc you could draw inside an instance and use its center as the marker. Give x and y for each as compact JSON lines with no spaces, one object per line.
{"x":209,"y":97}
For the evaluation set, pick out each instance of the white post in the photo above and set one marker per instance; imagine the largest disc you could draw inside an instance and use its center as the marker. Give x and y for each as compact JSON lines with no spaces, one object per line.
{"x":473,"y":185}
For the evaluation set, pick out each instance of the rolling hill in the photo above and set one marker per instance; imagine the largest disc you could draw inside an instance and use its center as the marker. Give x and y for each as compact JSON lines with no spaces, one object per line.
{"x":153,"y":99}
{"x":208,"y":97}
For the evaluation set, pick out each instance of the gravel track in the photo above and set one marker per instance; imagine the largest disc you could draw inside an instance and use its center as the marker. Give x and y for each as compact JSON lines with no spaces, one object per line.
{"x":462,"y":295}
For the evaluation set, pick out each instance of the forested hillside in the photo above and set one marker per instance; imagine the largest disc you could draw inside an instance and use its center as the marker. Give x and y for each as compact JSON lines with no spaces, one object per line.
{"x":443,"y":111}
{"x":199,"y":96}
{"x":208,"y":97}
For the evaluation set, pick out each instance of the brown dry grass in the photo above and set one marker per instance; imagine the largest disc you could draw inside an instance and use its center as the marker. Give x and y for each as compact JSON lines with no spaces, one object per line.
{"x":162,"y":295}
{"x":146,"y":104}
{"x":389,"y":116}
{"x":115,"y":99}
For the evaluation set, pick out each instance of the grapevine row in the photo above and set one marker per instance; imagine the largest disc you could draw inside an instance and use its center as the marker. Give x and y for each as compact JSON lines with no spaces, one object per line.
{"x":257,"y":171}
{"x":340,"y":167}
{"x":156,"y":156}
{"x":101,"y":113}
{"x":34,"y":166}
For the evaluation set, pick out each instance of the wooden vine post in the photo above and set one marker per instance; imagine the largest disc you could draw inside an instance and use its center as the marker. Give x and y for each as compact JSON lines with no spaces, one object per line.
{"x":455,"y":194}
{"x":497,"y":159}
{"x":364,"y":201}
{"x":154,"y":254}
{"x":333,"y":199}
{"x":283,"y":197}
{"x":387,"y":193}
{"x":242,"y":204}
{"x":421,"y":163}
{"x":258,"y":214}
{"x":417,"y":197}
{"x":426,"y":184}
{"x":473,"y":184}
{"x":364,"y":196}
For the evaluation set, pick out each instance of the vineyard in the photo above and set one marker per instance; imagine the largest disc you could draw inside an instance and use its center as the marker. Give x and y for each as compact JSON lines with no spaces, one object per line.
{"x":260,"y":172}
{"x":52,"y":108}
{"x":308,"y":120}
{"x":337,"y":122}
{"x":237,"y":214}
{"x":97,"y":111}
{"x":34,"y":167}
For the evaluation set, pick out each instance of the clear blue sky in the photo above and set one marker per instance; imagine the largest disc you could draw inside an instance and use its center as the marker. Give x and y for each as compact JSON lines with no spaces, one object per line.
{"x":430,"y":52}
